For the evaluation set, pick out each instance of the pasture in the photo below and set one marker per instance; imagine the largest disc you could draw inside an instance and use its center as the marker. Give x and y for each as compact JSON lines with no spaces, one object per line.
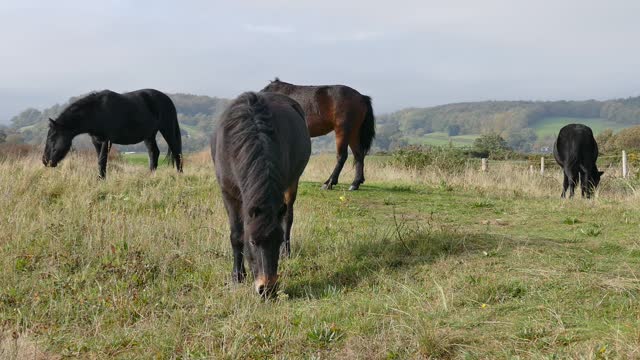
{"x":443,"y":139}
{"x":550,"y":126}
{"x":414,"y":265}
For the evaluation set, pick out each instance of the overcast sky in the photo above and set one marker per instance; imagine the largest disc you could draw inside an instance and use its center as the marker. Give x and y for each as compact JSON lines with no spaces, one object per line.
{"x":402,"y":53}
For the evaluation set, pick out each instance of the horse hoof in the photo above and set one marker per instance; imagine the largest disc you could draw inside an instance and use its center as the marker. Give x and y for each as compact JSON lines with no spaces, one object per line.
{"x":327,"y":187}
{"x":353,"y":188}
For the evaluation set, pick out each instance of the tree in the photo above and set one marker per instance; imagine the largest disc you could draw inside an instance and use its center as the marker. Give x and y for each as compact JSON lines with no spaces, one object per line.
{"x":489,"y":144}
{"x":453,"y":130}
{"x":3,"y":136}
{"x":522,"y":140}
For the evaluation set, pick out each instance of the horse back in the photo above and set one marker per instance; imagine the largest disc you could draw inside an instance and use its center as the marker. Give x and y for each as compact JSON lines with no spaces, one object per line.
{"x":325,"y":106}
{"x":289,"y":142}
{"x":575,"y":146}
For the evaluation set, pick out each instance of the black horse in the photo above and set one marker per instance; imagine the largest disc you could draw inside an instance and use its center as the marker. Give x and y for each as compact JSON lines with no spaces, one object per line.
{"x":260,"y":148}
{"x":109,"y":117}
{"x":576,"y":151}
{"x":336,"y":108}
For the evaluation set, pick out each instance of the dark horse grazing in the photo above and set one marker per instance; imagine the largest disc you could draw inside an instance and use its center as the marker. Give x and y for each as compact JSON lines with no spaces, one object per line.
{"x":339,"y":108}
{"x":109,"y":117}
{"x":260,"y":148}
{"x":576,"y":151}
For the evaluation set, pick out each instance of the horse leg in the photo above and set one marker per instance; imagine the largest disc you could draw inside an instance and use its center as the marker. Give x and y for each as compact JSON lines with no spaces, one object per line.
{"x":358,"y":155}
{"x":565,"y":185}
{"x":234,"y":210}
{"x":102,"y":158}
{"x":289,"y":199}
{"x":154,"y":153}
{"x":96,"y":144}
{"x":573,"y":181}
{"x":341,"y":146}
{"x":585,"y":184}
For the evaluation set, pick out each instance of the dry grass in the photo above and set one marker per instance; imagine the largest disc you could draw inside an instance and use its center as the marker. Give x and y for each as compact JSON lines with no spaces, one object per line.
{"x":415,"y":265}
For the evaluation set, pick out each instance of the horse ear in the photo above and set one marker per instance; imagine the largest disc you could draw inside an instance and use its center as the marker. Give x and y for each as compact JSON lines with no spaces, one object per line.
{"x":277,"y":79}
{"x":52,"y":122}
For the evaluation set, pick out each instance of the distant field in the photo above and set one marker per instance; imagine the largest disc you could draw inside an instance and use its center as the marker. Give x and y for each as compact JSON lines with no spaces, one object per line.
{"x":544,"y":127}
{"x":442,"y":138}
{"x":552,"y":125}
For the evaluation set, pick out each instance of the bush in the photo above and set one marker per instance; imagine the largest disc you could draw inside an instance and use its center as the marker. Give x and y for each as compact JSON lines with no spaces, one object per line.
{"x":447,"y":159}
{"x":490,"y":145}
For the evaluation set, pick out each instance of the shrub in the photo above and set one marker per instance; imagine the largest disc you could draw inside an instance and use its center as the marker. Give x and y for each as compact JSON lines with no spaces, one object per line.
{"x":447,"y":159}
{"x":490,"y":145}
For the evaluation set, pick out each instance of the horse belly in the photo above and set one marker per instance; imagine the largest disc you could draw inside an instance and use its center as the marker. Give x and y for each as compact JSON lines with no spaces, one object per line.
{"x":318,"y":126}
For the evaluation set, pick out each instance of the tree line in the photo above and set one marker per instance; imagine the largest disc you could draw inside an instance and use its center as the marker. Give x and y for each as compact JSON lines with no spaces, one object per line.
{"x":512,"y":120}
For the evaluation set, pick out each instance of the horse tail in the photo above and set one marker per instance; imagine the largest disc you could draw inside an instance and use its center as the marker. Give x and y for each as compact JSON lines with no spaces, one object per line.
{"x":368,"y":128}
{"x":174,"y":133}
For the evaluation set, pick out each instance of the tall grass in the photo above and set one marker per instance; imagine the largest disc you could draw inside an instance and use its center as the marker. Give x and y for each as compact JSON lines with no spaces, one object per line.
{"x":420,"y":263}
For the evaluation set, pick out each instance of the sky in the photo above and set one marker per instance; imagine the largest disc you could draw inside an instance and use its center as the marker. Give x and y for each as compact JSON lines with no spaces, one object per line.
{"x":402,"y":53}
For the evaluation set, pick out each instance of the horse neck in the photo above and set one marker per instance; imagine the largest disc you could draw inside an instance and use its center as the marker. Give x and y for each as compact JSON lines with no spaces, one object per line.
{"x":80,"y":124}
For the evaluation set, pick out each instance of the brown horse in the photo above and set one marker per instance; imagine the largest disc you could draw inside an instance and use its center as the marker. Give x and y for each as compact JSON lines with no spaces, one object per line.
{"x":260,"y":148}
{"x":339,"y":108}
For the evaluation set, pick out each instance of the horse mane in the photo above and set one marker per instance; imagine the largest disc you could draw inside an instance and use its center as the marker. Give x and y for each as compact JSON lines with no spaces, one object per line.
{"x":248,"y":123}
{"x":67,"y":117}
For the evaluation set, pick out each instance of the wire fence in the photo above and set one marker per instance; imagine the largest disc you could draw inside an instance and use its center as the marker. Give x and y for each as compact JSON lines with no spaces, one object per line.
{"x":626,"y":162}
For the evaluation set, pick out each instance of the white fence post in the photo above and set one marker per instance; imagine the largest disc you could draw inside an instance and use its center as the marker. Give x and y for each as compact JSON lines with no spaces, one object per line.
{"x":542,"y":165}
{"x":625,"y":168}
{"x":531,"y":169}
{"x":485,"y":166}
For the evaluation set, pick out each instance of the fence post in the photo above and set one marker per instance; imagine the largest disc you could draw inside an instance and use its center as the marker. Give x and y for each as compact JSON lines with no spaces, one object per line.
{"x":484,"y":165}
{"x":531,"y":169}
{"x":625,"y":169}
{"x":542,"y":165}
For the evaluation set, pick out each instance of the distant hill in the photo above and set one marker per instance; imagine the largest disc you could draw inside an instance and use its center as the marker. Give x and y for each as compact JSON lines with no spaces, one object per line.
{"x":526,"y":125}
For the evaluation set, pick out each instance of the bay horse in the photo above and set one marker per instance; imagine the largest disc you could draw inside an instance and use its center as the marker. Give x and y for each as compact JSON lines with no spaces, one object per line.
{"x":576,"y":151}
{"x":260,"y":148}
{"x":112,"y":118}
{"x":336,"y":108}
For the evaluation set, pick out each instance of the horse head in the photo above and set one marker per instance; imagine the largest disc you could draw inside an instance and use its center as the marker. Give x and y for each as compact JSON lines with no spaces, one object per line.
{"x":58,"y":144}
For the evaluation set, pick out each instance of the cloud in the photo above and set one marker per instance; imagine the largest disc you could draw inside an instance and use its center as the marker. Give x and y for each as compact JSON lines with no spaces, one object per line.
{"x":269,"y":29}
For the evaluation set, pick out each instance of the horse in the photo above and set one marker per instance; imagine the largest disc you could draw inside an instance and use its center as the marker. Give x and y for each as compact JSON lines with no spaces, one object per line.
{"x":576,"y":151}
{"x":341,"y":109}
{"x":260,"y":148}
{"x":112,"y":118}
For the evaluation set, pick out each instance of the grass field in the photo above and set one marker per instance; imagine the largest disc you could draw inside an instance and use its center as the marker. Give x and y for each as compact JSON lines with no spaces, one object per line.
{"x":552,"y":125}
{"x":547,"y":126}
{"x":443,"y":139}
{"x":415,"y":265}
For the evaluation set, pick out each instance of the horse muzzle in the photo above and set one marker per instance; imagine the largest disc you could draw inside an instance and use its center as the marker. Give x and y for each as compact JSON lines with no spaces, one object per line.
{"x":266,"y":285}
{"x":49,"y":163}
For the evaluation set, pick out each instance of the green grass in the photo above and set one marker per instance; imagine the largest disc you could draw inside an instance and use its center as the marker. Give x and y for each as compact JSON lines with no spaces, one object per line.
{"x":552,"y":125}
{"x":142,"y":159}
{"x":138,"y":266}
{"x":545,"y":127}
{"x":443,"y":139}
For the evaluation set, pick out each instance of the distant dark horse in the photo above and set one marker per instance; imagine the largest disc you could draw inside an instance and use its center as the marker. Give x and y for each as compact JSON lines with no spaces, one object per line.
{"x":109,"y":117}
{"x":339,"y":108}
{"x":260,"y":148}
{"x":576,"y":151}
